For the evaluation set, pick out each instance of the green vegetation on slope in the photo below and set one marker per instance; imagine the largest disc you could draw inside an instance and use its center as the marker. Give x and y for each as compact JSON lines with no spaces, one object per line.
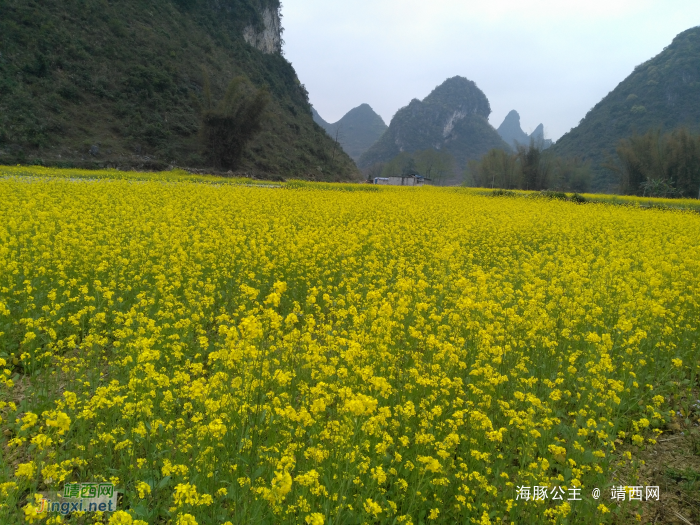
{"x":453,"y":118}
{"x":663,"y":92}
{"x":96,"y":83}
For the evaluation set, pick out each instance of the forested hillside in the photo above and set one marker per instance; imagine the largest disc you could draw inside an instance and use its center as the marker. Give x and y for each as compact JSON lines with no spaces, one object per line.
{"x":105,"y":83}
{"x":662,"y":93}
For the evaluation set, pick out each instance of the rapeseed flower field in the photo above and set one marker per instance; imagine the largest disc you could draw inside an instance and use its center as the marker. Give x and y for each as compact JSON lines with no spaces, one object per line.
{"x":233,"y":354}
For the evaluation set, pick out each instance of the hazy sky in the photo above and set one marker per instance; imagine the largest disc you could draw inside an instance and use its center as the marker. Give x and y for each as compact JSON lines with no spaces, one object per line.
{"x":551,"y":60}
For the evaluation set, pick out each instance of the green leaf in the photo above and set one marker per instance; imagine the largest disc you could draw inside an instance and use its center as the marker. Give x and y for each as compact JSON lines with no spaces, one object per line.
{"x":164,"y":482}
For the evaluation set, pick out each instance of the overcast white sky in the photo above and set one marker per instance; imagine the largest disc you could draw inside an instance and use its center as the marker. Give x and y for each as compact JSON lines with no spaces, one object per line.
{"x":551,"y":60}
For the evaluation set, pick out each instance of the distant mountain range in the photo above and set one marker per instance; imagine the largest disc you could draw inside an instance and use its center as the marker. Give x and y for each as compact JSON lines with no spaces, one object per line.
{"x":453,"y":118}
{"x":663,"y":93}
{"x":511,"y":132}
{"x":356,"y":131}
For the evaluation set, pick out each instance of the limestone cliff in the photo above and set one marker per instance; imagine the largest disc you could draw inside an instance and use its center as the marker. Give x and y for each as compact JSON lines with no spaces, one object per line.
{"x":267,"y":35}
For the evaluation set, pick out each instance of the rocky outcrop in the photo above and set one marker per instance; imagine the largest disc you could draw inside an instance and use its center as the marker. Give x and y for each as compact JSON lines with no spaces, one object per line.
{"x":267,"y":38}
{"x":450,"y":125}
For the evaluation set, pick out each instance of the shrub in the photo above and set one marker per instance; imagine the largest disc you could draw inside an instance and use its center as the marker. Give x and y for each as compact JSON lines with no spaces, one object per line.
{"x":530,"y":168}
{"x":228,"y":127}
{"x":503,"y":193}
{"x":555,"y":195}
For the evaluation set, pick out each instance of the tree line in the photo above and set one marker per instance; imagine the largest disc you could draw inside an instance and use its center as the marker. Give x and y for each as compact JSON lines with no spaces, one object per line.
{"x":528,"y":168}
{"x":654,"y":164}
